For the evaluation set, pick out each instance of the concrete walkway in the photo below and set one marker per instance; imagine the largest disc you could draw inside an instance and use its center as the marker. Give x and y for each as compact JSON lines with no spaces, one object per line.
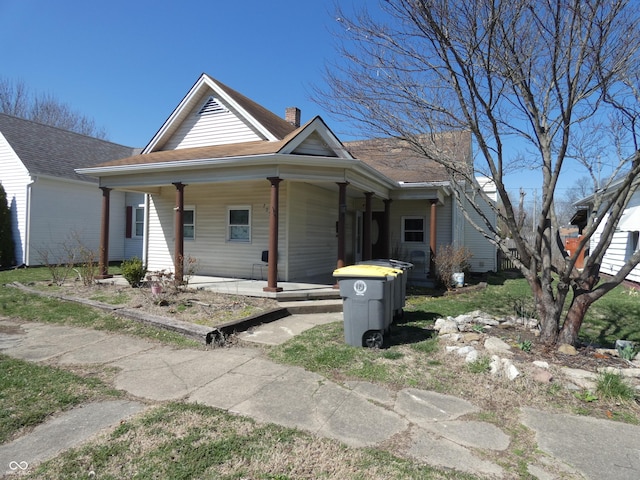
{"x":359,"y":414}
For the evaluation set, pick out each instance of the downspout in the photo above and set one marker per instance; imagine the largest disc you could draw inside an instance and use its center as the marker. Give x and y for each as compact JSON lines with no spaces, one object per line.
{"x":26,"y":253}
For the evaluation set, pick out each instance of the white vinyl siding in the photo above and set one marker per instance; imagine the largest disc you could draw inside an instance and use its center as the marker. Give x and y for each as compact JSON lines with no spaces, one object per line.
{"x":484,"y":257}
{"x":621,"y":244}
{"x":313,"y":245}
{"x":199,"y":130}
{"x":214,"y":254}
{"x":63,"y":213}
{"x":15,"y":178}
{"x":314,"y":145}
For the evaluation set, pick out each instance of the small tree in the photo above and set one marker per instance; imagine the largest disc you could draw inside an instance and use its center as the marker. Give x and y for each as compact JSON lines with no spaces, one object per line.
{"x":7,"y":245}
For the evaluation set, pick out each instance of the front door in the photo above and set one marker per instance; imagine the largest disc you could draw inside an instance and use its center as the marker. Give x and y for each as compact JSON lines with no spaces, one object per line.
{"x":378,"y":228}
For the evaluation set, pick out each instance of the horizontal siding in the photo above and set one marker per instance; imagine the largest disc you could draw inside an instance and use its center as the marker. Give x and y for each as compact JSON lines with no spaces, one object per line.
{"x":214,"y":254}
{"x":314,"y":145}
{"x":407,"y":251}
{"x":484,"y":257}
{"x":65,"y":213}
{"x":313,"y":245}
{"x":211,"y":129}
{"x":15,"y":178}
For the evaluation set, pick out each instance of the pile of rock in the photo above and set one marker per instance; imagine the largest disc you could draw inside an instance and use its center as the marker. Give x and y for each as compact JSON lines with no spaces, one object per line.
{"x":466,"y":337}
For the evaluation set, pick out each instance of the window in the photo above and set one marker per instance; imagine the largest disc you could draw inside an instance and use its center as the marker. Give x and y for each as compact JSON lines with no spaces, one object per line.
{"x":239,"y":224}
{"x":189,"y":223}
{"x":138,"y":222}
{"x":413,"y":229}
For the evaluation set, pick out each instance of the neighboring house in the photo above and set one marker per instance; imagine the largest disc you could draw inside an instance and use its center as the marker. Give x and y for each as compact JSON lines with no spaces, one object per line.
{"x":625,"y":238}
{"x":227,"y":180}
{"x":52,"y":206}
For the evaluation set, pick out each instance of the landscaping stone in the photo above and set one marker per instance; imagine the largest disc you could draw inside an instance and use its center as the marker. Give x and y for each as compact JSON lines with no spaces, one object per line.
{"x":541,"y":364}
{"x":446,"y":326}
{"x":472,"y":356}
{"x":567,"y":349}
{"x":503,"y":367}
{"x":471,"y":337}
{"x":494,"y":344}
{"x":581,"y":378}
{"x":542,"y":376}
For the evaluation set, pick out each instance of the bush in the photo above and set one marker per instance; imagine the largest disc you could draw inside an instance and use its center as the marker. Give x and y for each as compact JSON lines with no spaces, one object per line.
{"x":133,"y":271}
{"x":7,"y":246}
{"x":450,"y":260}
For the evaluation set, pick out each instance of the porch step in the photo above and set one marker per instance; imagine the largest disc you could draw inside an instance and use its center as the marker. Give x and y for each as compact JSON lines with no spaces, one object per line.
{"x":312,"y":306}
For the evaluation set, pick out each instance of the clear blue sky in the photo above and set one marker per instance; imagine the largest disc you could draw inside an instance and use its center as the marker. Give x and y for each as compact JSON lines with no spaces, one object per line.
{"x":128,"y":63}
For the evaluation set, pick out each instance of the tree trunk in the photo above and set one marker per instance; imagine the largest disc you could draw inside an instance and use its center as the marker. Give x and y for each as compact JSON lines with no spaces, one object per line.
{"x":547,"y":312}
{"x":573,"y":321}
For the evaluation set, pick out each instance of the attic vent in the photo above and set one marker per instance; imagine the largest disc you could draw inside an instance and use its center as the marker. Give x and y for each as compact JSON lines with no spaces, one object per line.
{"x":211,"y":107}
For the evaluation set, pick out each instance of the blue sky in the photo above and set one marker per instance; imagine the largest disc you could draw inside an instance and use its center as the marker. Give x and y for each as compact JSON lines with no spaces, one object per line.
{"x":127,"y":64}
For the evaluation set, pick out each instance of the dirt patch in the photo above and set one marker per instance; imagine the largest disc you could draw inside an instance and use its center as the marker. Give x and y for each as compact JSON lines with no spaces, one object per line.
{"x":202,"y":307}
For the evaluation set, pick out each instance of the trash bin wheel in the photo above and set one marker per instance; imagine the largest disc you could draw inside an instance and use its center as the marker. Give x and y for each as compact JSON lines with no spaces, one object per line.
{"x":373,"y":339}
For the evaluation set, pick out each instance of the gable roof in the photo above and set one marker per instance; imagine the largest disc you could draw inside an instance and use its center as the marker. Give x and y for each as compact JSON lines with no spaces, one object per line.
{"x":285,"y":146}
{"x":269,"y":125}
{"x":394,"y":157}
{"x":51,"y":151}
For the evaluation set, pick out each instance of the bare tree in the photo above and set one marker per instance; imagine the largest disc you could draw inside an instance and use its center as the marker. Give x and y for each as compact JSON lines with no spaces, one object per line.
{"x":17,"y":100}
{"x":541,"y":83}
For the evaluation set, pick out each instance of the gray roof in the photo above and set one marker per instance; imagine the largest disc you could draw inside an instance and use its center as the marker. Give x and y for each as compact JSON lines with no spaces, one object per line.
{"x":51,"y":151}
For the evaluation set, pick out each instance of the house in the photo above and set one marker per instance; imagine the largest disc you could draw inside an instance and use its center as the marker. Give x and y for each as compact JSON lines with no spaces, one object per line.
{"x":230,"y":183}
{"x":625,"y":238}
{"x":53,"y":207}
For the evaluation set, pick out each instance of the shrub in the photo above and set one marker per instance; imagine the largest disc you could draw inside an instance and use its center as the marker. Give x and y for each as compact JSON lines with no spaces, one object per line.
{"x":133,"y":271}
{"x":449,"y":260}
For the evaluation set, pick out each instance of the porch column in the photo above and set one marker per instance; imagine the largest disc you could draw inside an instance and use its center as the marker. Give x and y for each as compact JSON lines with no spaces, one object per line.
{"x":342,"y":212}
{"x":103,"y":262}
{"x":432,"y":239}
{"x":272,"y":273}
{"x":178,"y":247}
{"x":386,"y":229}
{"x":366,"y":227}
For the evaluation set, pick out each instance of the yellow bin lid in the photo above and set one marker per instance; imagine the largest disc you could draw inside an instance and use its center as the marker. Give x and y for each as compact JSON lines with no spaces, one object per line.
{"x":367,"y":271}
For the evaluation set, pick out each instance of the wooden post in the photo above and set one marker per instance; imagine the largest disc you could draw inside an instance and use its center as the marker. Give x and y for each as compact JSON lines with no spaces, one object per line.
{"x":103,"y":262}
{"x":432,"y":239}
{"x":366,"y":227}
{"x":272,"y":269}
{"x":178,"y":248}
{"x":342,"y":212}
{"x":386,"y":229}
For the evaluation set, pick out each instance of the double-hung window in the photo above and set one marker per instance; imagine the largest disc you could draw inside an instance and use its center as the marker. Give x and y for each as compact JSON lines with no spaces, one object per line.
{"x":138,"y":222}
{"x":189,"y":223}
{"x":239,"y":224}
{"x":413,"y":229}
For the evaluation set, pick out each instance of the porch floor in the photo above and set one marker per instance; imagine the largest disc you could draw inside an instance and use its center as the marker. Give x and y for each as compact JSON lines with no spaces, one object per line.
{"x":291,"y":291}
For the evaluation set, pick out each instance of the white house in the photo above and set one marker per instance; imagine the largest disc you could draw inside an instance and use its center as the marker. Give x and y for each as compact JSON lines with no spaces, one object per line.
{"x":227,"y":180}
{"x":625,"y":238}
{"x":52,"y":205}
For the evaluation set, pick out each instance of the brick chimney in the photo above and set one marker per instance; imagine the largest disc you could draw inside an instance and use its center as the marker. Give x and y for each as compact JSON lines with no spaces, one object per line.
{"x":292,"y":115}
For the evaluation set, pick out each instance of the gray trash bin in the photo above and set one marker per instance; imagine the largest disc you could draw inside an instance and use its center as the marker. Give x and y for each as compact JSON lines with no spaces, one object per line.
{"x":400,"y":287}
{"x":367,"y":294}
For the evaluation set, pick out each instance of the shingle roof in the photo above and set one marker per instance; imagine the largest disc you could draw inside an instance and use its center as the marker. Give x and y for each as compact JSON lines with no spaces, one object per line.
{"x":278,"y":126}
{"x":46,"y":150}
{"x":397,"y":160}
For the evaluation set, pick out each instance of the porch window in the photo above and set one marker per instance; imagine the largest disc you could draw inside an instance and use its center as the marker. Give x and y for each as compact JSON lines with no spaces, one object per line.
{"x":413,"y":229}
{"x":239,"y":224}
{"x":632,"y":244}
{"x":138,"y":222}
{"x":189,"y":223}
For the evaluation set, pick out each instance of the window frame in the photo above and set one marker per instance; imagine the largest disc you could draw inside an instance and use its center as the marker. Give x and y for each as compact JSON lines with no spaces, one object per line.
{"x":135,"y":222}
{"x":230,"y":226}
{"x":405,"y":231}
{"x":190,"y":208}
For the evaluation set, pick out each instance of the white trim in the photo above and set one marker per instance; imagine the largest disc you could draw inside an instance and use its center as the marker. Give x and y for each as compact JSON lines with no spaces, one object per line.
{"x":403,"y":219}
{"x":229,"y":225}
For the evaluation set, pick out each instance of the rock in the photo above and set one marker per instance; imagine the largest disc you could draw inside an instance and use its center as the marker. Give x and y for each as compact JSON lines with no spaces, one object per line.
{"x":625,"y":372}
{"x":451,"y":337}
{"x":472,"y":356}
{"x":542,"y":376}
{"x":494,"y":344}
{"x":567,"y":349}
{"x":495,"y":365}
{"x":463,"y":351}
{"x":502,"y":367}
{"x":471,"y":337}
{"x":582,"y":378}
{"x":541,"y":364}
{"x":451,"y":349}
{"x":448,"y":326}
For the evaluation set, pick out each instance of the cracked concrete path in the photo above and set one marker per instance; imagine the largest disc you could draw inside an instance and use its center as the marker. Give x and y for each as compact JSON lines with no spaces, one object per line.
{"x":430,"y":426}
